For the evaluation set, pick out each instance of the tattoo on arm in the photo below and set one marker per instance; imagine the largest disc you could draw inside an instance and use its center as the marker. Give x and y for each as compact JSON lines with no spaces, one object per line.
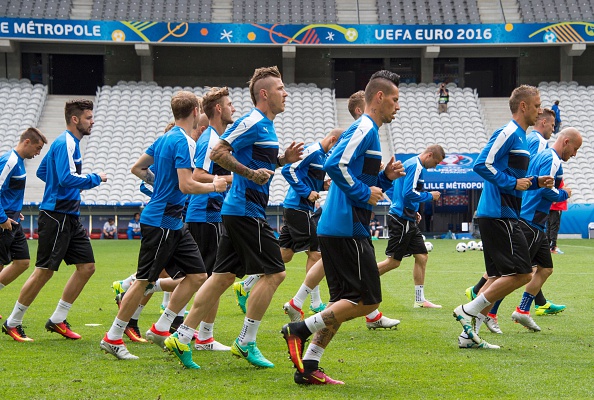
{"x":221,"y":154}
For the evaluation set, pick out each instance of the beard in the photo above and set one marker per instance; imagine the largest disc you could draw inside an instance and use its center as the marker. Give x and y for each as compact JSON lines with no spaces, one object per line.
{"x":84,"y":132}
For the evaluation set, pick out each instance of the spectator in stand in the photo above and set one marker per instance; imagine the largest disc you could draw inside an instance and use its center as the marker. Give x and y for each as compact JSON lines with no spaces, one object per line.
{"x":110,"y":230}
{"x":444,"y":98}
{"x":554,"y":223}
{"x":555,"y":108}
{"x":134,"y":227}
{"x":375,"y":227}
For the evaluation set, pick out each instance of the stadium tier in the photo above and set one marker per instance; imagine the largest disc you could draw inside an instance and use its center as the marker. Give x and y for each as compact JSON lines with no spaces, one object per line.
{"x":21,"y":104}
{"x":430,"y":12}
{"x":575,"y":103}
{"x":418,"y":124}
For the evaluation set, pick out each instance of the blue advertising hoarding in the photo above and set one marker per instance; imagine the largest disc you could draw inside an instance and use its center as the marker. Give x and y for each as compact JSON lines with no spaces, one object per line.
{"x":453,"y":173}
{"x":300,"y":35}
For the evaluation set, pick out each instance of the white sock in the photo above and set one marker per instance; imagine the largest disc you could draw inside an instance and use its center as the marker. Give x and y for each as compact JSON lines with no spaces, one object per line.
{"x":16,"y":317}
{"x":249,"y":331}
{"x":137,"y":312}
{"x":165,"y":301}
{"x":301,"y":295}
{"x":373,"y":315}
{"x":116,"y":331}
{"x":182,"y":312}
{"x":477,"y":305}
{"x":315,"y":323}
{"x":313,"y":352}
{"x":206,"y":331}
{"x":185,"y":334}
{"x":316,"y":300}
{"x":165,"y":320}
{"x":128,"y":281}
{"x":250,"y":281}
{"x":2,"y":286}
{"x":155,"y":287}
{"x":61,"y":312}
{"x":480,"y":318}
{"x":419,"y":293}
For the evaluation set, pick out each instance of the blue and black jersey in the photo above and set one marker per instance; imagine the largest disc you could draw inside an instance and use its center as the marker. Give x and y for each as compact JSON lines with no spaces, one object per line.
{"x":255,"y":145}
{"x":408,"y":191}
{"x":61,"y":169}
{"x":305,"y":176}
{"x":536,"y":143}
{"x":504,"y":159}
{"x":207,"y":207}
{"x":172,"y":151}
{"x":13,"y":178}
{"x":353,"y":166}
{"x":536,"y":204}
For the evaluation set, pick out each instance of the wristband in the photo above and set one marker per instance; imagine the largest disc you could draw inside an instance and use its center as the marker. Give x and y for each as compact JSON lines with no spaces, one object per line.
{"x":214,"y":188}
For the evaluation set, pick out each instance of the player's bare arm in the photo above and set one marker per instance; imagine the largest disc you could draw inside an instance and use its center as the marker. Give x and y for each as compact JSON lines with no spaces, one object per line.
{"x":221,"y":154}
{"x":140,"y":168}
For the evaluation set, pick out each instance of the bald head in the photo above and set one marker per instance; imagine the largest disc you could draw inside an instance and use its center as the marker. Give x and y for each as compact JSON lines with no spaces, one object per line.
{"x":201,"y":127}
{"x":569,"y":140}
{"x":331,"y":139}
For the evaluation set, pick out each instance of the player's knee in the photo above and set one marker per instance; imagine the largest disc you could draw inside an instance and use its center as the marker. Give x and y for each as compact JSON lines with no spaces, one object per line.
{"x":87,"y":269}
{"x":21,"y":265}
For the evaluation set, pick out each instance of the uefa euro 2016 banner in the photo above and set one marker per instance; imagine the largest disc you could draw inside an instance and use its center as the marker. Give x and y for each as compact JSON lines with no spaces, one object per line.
{"x":313,"y":34}
{"x":454,"y":172}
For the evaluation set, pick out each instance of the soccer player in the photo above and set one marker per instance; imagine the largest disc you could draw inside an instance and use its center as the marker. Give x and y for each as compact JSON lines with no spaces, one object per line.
{"x":533,"y":217}
{"x":537,"y":141}
{"x":405,"y":236}
{"x":14,"y":251}
{"x":204,"y":210}
{"x":61,"y":235}
{"x":249,"y":149}
{"x":166,"y":243}
{"x":343,"y":231}
{"x":503,"y":164}
{"x":373,"y":320}
{"x":306,"y":181}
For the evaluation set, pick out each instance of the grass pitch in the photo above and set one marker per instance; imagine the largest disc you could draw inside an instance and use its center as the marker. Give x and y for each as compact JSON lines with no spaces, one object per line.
{"x":419,"y":360}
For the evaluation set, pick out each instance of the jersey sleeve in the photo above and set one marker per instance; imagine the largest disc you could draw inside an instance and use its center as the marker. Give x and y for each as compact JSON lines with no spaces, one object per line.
{"x":5,"y":172}
{"x":241,"y":134}
{"x":337,"y":166}
{"x":497,"y":148}
{"x":411,"y":180}
{"x":295,"y":172}
{"x":184,"y":154}
{"x":67,"y":173}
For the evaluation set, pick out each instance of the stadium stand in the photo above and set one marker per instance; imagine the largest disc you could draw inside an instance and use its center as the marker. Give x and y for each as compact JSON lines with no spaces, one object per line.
{"x":47,"y":9}
{"x":284,"y":12}
{"x":131,"y":115}
{"x":153,"y":10}
{"x":430,"y":12}
{"x":575,"y":103}
{"x":418,"y":124}
{"x":556,"y":11}
{"x":21,"y":104}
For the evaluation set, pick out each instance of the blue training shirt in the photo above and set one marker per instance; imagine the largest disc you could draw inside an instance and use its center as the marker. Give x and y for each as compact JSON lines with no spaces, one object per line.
{"x":172,"y":151}
{"x":61,"y":169}
{"x":536,"y":143}
{"x":255,"y":145}
{"x":12,"y":186}
{"x":305,"y":176}
{"x":206,"y":207}
{"x":353,"y":166}
{"x":407,"y":193}
{"x":536,"y":204}
{"x":504,"y":159}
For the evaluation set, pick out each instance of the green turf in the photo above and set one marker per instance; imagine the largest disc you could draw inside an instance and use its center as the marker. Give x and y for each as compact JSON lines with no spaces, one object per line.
{"x":419,"y":360}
